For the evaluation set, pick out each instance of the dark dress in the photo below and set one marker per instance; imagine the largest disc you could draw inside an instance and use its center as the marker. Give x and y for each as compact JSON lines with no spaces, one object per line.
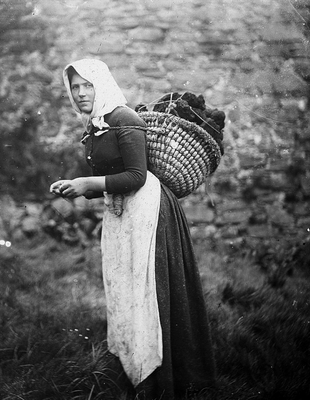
{"x":188,"y":363}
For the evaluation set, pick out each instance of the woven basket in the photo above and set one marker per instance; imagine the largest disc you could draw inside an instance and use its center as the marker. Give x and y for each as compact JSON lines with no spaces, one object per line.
{"x":180,"y":153}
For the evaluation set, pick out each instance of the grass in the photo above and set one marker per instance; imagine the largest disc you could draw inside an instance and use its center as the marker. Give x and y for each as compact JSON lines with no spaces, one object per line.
{"x":53,"y":327}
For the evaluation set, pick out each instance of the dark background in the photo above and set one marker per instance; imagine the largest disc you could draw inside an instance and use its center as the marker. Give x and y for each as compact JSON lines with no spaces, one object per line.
{"x":249,"y":58}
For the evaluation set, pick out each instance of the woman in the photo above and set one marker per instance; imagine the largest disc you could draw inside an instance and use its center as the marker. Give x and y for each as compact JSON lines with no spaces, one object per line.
{"x":157,"y":322}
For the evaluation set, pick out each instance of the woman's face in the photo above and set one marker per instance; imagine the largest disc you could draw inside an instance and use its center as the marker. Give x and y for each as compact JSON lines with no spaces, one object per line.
{"x":83,"y":93}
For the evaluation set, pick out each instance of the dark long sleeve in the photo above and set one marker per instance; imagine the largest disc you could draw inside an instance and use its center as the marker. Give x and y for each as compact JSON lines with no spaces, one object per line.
{"x":120,"y":153}
{"x":132,"y":150}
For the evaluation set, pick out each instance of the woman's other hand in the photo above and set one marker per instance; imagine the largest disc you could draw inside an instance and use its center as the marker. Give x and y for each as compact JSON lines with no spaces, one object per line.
{"x":70,"y":188}
{"x":55,"y":187}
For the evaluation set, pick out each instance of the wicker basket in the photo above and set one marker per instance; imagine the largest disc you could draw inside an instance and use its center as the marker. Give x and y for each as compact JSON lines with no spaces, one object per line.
{"x":180,"y":153}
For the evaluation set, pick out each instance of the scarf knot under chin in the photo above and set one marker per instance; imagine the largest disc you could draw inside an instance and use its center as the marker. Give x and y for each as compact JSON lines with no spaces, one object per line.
{"x":93,"y":131}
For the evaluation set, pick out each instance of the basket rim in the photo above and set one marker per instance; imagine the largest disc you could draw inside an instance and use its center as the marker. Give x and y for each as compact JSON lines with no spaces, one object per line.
{"x":185,"y":124}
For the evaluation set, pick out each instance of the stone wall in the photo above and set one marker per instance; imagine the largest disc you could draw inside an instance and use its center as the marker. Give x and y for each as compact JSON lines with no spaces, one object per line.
{"x":249,"y":58}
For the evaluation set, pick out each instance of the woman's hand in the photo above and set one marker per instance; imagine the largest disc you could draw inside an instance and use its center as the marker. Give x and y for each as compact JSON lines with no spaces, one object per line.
{"x":55,"y":187}
{"x":70,"y":188}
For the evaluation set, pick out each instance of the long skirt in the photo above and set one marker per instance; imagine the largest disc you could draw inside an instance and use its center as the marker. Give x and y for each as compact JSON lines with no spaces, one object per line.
{"x":188,"y":362}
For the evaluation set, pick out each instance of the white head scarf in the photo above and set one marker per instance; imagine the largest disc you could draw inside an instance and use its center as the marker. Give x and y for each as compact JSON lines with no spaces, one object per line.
{"x":108,"y":95}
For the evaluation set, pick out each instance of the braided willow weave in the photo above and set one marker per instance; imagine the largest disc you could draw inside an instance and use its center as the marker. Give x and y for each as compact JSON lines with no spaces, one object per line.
{"x":180,"y":153}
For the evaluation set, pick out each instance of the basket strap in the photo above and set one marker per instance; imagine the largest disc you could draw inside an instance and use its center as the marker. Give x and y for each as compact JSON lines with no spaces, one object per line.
{"x":143,"y":128}
{"x":87,"y":135}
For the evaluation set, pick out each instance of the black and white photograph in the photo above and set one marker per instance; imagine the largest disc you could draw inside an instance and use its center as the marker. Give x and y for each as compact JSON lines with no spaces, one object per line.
{"x":154,"y":199}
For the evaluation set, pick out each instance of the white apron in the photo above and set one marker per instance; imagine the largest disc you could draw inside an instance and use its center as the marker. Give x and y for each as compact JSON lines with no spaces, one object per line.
{"x":128,"y":262}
